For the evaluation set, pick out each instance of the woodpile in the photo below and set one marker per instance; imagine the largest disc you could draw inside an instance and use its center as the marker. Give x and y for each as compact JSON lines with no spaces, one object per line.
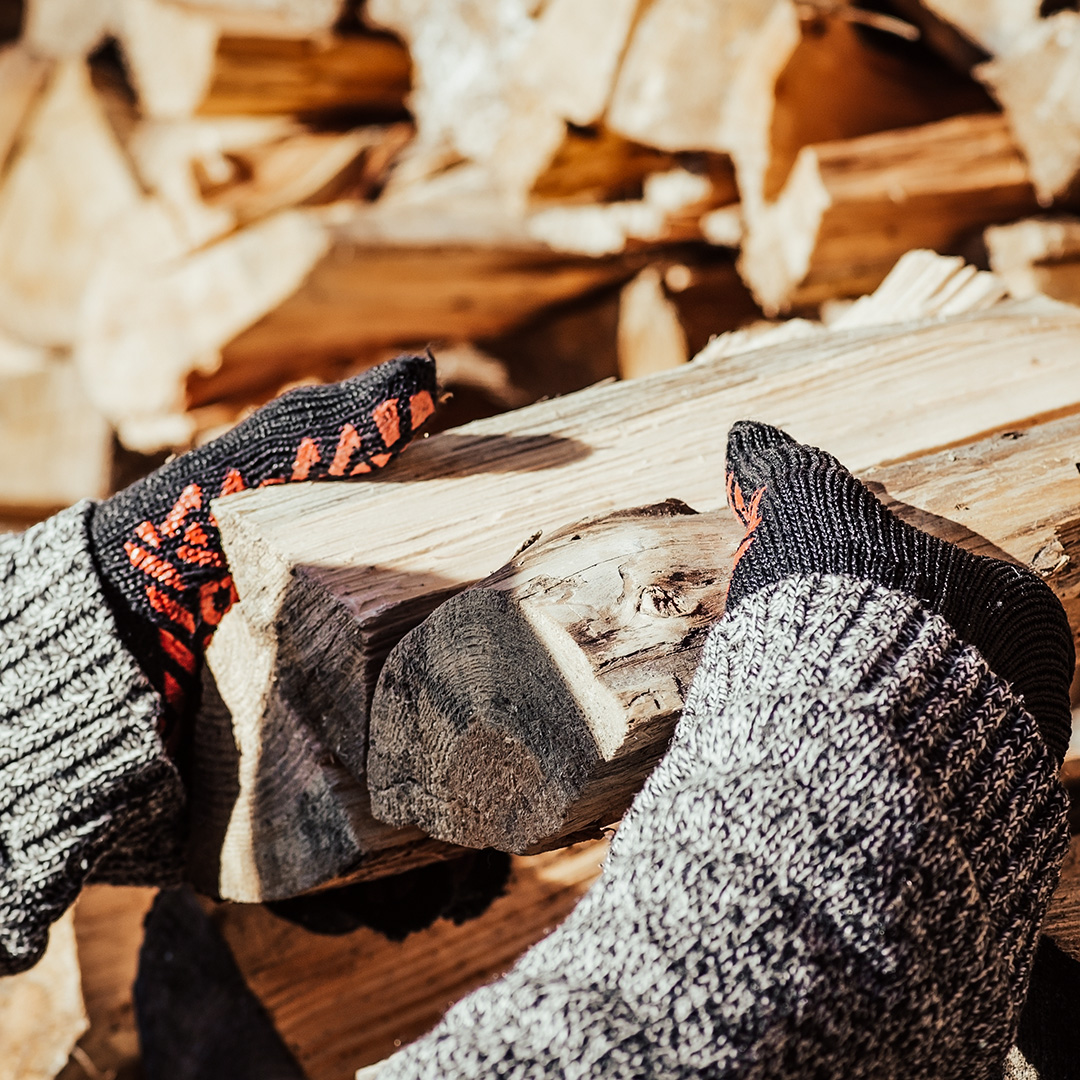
{"x":203,"y":202}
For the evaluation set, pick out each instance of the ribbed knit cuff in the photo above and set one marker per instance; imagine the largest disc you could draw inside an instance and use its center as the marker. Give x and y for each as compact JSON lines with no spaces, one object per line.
{"x":84,"y":780}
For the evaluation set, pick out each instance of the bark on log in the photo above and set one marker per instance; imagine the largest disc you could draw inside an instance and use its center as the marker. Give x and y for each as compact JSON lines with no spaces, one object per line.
{"x":531,"y":707}
{"x":368,"y":562}
{"x":850,"y":209}
{"x":273,"y":814}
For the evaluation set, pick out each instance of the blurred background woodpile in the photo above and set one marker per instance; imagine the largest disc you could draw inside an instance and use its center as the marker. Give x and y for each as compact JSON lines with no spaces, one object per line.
{"x":203,"y":202}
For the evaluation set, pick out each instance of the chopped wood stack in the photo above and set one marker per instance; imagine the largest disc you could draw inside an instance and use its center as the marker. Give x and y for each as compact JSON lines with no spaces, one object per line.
{"x":204,"y":201}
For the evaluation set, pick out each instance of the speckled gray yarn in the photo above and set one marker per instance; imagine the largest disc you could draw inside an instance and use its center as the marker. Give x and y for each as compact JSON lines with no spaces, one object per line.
{"x":838,"y":870}
{"x":86,"y":791}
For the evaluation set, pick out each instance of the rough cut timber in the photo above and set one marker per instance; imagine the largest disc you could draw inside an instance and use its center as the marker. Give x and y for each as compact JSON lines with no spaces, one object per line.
{"x":363,"y":296}
{"x":850,"y":209}
{"x":1039,"y":255}
{"x":651,"y":337}
{"x":1037,"y":80}
{"x":146,"y":325}
{"x":995,"y":27}
{"x":531,"y":707}
{"x":343,"y":1002}
{"x":461,"y":503}
{"x":41,"y":1011}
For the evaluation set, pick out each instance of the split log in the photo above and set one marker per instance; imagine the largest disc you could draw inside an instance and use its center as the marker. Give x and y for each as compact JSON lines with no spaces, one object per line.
{"x":1039,"y":255}
{"x":364,"y":296}
{"x":461,"y":502}
{"x":850,"y":209}
{"x":315,"y":988}
{"x":1037,"y":80}
{"x":41,"y":1011}
{"x":760,"y":81}
{"x":57,"y":446}
{"x":273,"y":814}
{"x":53,"y":217}
{"x":530,"y":708}
{"x":253,"y":76}
{"x":22,"y":75}
{"x":993,"y":27}
{"x":497,"y":87}
{"x":145,"y":327}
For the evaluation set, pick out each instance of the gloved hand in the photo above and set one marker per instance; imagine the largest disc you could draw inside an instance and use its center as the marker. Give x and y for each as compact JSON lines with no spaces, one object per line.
{"x":157,"y":546}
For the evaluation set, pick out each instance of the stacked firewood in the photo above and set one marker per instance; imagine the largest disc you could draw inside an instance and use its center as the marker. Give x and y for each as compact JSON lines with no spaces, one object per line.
{"x":204,"y":201}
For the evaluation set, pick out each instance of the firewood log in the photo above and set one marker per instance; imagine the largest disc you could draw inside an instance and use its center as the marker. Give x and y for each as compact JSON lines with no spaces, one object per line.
{"x":53,"y":216}
{"x":1038,"y":255}
{"x":460,"y":503}
{"x":1037,"y":80}
{"x":22,"y":75}
{"x":343,"y":1002}
{"x":146,"y":325}
{"x":41,"y":1010}
{"x":651,"y":337}
{"x":253,"y":76}
{"x":57,"y":445}
{"x":273,"y":814}
{"x":531,"y":707}
{"x":849,"y":209}
{"x":994,"y":27}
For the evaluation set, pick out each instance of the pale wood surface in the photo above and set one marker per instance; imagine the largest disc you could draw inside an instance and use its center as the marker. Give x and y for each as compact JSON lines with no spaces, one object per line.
{"x":851,"y":208}
{"x":1037,"y":80}
{"x":254,"y":76}
{"x":1038,"y":255}
{"x":530,"y":708}
{"x":650,"y":337}
{"x":55,"y":446}
{"x":41,"y":1011}
{"x":462,"y":502}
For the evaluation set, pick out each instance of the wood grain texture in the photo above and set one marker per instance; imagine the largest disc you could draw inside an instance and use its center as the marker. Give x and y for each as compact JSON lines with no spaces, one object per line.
{"x":344,"y":1002}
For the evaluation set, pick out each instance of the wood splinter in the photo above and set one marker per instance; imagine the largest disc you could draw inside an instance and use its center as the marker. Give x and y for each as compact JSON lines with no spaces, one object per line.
{"x":527,"y":711}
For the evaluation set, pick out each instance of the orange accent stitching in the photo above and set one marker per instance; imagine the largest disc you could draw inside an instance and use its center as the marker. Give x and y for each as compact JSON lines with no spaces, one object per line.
{"x":177,"y":650}
{"x":420,"y":408}
{"x":168,"y":607}
{"x":388,"y":422}
{"x":349,"y":442}
{"x":307,"y":454}
{"x":196,"y":534}
{"x":150,"y":564}
{"x":148,"y":534}
{"x":174,"y":693}
{"x":213,"y":593}
{"x":190,"y":499}
{"x":748,"y":513}
{"x":199,"y":556}
{"x":232,"y":483}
